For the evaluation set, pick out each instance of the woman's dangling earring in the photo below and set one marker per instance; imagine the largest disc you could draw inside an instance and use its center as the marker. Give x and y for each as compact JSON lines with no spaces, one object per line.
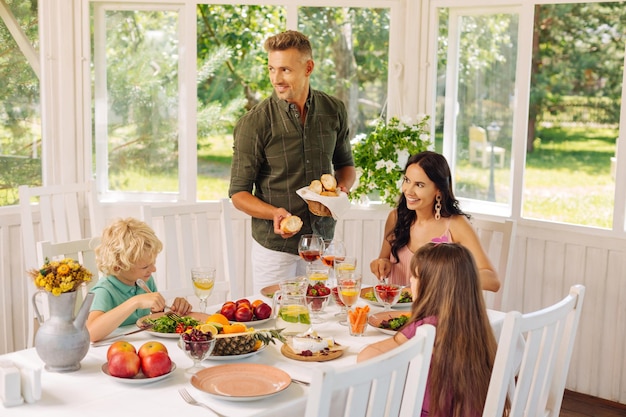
{"x":438,"y":207}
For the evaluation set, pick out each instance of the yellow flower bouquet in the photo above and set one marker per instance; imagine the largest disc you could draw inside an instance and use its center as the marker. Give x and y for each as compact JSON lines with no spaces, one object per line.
{"x":61,"y":276}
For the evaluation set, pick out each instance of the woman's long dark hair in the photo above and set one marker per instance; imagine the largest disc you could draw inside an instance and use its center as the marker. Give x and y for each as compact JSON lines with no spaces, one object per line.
{"x":436,"y":168}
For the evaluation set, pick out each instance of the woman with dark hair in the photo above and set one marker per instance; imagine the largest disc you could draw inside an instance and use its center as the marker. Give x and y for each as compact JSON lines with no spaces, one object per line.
{"x":427,"y":212}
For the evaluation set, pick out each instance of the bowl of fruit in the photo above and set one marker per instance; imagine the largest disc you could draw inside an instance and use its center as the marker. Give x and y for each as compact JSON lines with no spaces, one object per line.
{"x":244,"y":311}
{"x":317,"y":297}
{"x":198,"y":343}
{"x":237,"y":339}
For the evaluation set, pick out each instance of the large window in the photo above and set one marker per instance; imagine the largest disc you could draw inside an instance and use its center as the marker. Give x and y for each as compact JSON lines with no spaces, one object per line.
{"x":20,"y":116}
{"x":553,"y":111}
{"x":144,"y":125}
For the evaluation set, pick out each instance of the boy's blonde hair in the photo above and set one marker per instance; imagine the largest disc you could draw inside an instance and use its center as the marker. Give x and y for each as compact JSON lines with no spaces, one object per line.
{"x":123,"y":243}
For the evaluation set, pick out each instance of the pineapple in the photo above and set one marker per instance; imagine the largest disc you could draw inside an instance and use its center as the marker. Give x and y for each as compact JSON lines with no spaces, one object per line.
{"x":241,"y":343}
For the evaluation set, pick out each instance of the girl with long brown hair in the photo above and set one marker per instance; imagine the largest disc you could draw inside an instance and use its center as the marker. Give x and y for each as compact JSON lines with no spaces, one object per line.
{"x":448,"y":295}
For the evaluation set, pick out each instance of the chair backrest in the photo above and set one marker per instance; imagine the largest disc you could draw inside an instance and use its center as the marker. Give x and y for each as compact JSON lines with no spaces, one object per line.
{"x":477,"y":134}
{"x":81,"y":250}
{"x":549,"y":335}
{"x":392,"y":384}
{"x":497,"y":237}
{"x":193,"y":234}
{"x":63,"y":211}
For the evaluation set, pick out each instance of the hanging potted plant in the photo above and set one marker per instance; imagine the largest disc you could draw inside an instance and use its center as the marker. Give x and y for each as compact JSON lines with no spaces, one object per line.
{"x":380,"y":157}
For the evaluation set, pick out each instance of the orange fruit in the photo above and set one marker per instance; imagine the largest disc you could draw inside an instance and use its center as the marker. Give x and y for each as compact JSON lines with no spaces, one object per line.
{"x":256,"y":303}
{"x":217,"y":318}
{"x":234,"y":328}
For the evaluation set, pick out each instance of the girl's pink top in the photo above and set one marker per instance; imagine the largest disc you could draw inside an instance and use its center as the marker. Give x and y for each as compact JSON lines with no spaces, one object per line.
{"x":409,"y":332}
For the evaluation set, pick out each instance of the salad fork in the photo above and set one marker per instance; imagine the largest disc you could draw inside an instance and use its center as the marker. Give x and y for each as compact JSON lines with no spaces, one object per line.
{"x":142,"y":284}
{"x":190,"y":400}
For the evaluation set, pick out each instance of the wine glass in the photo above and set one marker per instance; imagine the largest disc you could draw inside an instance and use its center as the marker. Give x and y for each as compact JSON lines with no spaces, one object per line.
{"x":387,"y":294}
{"x":334,"y":249}
{"x":310,"y":247}
{"x":203,"y":278}
{"x":197,"y":348}
{"x":348,"y":289}
{"x":317,"y":274}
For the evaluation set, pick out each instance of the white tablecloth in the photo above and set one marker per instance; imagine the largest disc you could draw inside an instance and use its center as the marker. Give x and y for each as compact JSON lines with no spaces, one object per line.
{"x":89,"y":392}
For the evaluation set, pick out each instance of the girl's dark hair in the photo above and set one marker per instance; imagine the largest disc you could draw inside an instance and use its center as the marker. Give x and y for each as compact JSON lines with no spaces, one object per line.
{"x":436,"y":168}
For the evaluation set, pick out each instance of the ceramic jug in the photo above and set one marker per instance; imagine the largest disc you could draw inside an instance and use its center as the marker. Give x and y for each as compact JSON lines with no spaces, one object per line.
{"x":292,"y":313}
{"x":62,"y":341}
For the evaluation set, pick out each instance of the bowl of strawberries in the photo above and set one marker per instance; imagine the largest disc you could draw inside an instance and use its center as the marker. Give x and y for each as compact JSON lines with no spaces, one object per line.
{"x":317,"y":297}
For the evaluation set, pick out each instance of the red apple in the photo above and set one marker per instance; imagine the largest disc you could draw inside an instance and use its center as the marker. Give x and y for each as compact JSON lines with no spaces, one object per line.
{"x":120,"y":346}
{"x":243,"y":301}
{"x":150,"y":348}
{"x":124,"y":364}
{"x":156,"y":364}
{"x":228,"y":309}
{"x":262,"y":311}
{"x":244,"y":313}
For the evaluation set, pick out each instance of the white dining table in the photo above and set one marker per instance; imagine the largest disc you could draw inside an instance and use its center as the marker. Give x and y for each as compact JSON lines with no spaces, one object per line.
{"x":90,"y":392}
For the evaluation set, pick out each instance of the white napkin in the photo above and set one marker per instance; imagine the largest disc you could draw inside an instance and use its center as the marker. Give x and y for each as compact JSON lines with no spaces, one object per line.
{"x":338,"y":206}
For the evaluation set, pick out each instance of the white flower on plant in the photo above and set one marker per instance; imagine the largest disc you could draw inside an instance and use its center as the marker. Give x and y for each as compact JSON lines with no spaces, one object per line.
{"x":405,"y":121}
{"x":358,"y":138}
{"x":380,"y":164}
{"x":402,"y":155}
{"x":389,"y":166}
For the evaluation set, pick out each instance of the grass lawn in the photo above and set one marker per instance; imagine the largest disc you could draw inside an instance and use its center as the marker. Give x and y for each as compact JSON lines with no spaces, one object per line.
{"x":567,"y":177}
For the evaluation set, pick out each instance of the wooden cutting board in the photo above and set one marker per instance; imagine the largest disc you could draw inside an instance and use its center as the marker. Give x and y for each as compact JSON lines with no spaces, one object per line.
{"x":323,"y":356}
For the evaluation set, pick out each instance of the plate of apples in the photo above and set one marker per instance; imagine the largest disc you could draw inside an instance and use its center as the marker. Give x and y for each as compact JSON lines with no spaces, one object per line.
{"x":127,"y":364}
{"x":250,"y":313}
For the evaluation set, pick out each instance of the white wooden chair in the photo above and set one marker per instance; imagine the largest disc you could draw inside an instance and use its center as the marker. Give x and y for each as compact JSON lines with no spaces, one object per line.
{"x":389,"y":385}
{"x":497,"y":237}
{"x":480,"y":148}
{"x":81,"y":250}
{"x":62,"y":213}
{"x":193,"y":234}
{"x":549,"y":335}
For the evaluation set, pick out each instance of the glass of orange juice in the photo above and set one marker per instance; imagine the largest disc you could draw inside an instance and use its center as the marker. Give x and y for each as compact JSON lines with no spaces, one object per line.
{"x":348,"y":289}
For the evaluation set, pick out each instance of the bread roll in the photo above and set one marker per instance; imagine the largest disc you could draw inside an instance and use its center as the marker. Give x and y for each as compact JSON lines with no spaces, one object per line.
{"x":330,"y":194}
{"x":316,"y":186}
{"x":329,"y":182}
{"x":291,"y":224}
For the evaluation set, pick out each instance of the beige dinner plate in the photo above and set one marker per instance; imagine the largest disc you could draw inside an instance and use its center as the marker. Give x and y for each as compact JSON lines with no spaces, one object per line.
{"x":201,"y":317}
{"x":368,"y":299}
{"x":270,"y":290}
{"x":374,"y":320}
{"x":241,"y":382}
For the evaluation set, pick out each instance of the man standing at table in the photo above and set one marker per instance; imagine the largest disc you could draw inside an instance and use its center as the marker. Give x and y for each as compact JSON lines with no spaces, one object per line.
{"x":281,"y":145}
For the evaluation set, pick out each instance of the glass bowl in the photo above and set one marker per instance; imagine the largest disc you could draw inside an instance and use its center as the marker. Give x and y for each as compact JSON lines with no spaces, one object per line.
{"x":387,"y":294}
{"x":316,"y":305}
{"x":196,"y":349}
